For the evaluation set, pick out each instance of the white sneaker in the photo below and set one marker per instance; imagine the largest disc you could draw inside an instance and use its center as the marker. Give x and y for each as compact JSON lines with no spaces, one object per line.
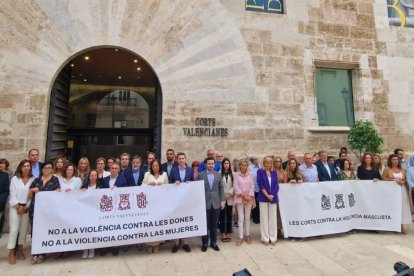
{"x":85,"y":254}
{"x":91,"y":253}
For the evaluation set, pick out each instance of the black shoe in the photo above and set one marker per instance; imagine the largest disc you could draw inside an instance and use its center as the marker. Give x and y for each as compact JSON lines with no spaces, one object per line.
{"x":214,"y":246}
{"x":103,"y":252}
{"x":174,"y":249}
{"x":186,"y":248}
{"x":115,"y":251}
{"x":204,"y":248}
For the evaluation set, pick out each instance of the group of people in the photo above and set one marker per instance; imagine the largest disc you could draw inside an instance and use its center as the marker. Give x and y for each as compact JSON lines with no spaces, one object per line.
{"x":252,"y":188}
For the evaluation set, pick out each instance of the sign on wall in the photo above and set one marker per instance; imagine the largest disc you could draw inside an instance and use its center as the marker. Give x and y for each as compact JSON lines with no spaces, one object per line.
{"x":268,"y":6}
{"x":401,"y":12}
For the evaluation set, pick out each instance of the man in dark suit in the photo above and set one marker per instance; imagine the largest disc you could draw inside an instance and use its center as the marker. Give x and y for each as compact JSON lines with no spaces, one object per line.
{"x":171,"y":162}
{"x":115,"y":180}
{"x":125,"y":166}
{"x":214,"y":202}
{"x":4,"y":194}
{"x":179,"y":174}
{"x":150,"y":158}
{"x":326,"y":171}
{"x":135,"y":175}
{"x":33,"y":157}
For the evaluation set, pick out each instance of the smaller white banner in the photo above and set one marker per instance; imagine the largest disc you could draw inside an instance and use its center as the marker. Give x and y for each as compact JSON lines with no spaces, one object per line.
{"x":66,"y":221}
{"x":313,"y":209}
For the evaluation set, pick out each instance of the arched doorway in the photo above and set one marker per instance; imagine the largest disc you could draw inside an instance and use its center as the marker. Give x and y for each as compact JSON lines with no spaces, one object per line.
{"x":105,"y":101}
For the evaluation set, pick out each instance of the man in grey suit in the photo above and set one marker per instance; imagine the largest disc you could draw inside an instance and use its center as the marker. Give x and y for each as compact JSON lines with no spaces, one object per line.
{"x":214,"y":202}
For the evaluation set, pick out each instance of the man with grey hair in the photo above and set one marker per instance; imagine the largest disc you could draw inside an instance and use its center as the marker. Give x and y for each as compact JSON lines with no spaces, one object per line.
{"x":308,"y":169}
{"x":210,"y":154}
{"x":326,"y":172}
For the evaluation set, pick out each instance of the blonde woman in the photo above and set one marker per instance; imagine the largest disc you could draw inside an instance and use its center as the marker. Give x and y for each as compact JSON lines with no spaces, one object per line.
{"x":277,"y":165}
{"x":83,"y":169}
{"x":243,"y":200}
{"x":267,"y":180}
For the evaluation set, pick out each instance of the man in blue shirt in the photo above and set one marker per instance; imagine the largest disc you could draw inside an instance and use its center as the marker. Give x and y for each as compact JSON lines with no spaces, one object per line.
{"x":135,"y":175}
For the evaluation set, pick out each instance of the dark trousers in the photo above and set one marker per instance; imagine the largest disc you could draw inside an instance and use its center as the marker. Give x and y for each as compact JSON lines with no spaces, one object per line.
{"x":2,"y":221}
{"x":226,"y":219}
{"x":256,"y":211}
{"x":212,"y":219}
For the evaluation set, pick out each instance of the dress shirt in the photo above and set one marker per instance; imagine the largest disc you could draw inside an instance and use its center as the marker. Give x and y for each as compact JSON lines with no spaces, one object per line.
{"x":169,"y":167}
{"x":327,"y":168}
{"x":112,"y":182}
{"x":410,"y":178}
{"x":253,"y":170}
{"x":210,"y":177}
{"x":309,"y":173}
{"x":135,"y":174}
{"x":182,"y":173}
{"x":36,"y":169}
{"x":18,"y":191}
{"x":74,"y":183}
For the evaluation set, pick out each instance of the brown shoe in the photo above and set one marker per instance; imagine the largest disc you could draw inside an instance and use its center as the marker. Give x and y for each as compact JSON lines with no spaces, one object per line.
{"x":239,"y":242}
{"x":273,"y":243}
{"x":265,"y":243}
{"x":20,"y":253}
{"x":12,"y":257}
{"x":155,"y":249}
{"x":249,"y":240}
{"x":403,"y":231}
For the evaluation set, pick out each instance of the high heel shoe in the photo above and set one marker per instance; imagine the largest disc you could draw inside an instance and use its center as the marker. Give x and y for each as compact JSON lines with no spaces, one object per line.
{"x":12,"y":257}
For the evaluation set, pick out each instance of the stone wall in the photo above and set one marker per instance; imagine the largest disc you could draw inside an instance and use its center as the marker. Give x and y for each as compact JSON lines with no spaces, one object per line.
{"x":253,"y":72}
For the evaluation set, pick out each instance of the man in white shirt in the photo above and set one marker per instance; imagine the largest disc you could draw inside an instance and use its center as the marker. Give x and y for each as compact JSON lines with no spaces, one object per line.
{"x":308,"y":169}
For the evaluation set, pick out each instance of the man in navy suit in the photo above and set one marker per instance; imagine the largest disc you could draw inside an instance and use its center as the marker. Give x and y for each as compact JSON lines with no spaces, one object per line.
{"x":135,"y":175}
{"x":171,"y":163}
{"x":125,"y":166}
{"x":33,"y":157}
{"x":179,"y":174}
{"x":115,"y":180}
{"x":326,"y":172}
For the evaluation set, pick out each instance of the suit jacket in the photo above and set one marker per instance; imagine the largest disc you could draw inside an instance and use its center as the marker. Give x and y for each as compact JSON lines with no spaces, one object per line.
{"x":164,"y":167}
{"x":175,"y":174}
{"x":323,"y":174}
{"x":4,"y":190}
{"x":129,"y":175}
{"x":271,"y":188}
{"x":119,"y":182}
{"x":214,"y":196}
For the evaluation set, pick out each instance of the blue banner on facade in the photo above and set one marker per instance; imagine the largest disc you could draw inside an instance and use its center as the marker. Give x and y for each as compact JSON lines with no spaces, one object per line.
{"x":268,"y":6}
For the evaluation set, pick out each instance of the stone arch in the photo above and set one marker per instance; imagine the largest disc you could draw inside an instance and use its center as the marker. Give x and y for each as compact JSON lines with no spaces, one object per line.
{"x":194,"y":47}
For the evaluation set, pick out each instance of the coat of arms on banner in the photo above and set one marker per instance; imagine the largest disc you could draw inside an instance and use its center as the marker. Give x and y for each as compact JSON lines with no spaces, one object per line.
{"x":142,"y":200}
{"x":106,"y":203}
{"x":124,"y":203}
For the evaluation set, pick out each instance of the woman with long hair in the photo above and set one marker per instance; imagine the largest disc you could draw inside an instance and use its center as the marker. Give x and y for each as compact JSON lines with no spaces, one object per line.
{"x":244,"y":201}
{"x":225,"y":220}
{"x":46,"y":182}
{"x":58,"y":165}
{"x":83,"y":169}
{"x":395,"y":172}
{"x":18,"y":214}
{"x":91,"y":184}
{"x":277,"y":166}
{"x":345,"y":172}
{"x":368,"y":170}
{"x":293,"y":174}
{"x":154,"y":177}
{"x":68,"y":181}
{"x":376,"y":158}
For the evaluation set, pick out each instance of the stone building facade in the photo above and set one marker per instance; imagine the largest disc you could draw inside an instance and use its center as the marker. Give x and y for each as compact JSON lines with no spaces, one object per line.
{"x":252,"y":72}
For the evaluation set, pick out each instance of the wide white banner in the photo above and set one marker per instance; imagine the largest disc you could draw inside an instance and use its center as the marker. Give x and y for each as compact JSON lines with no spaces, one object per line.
{"x":66,"y":221}
{"x":312,"y":209}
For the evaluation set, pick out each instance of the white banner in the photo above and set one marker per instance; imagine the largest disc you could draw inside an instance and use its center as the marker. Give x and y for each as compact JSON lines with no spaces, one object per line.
{"x":66,"y":221}
{"x":312,"y":209}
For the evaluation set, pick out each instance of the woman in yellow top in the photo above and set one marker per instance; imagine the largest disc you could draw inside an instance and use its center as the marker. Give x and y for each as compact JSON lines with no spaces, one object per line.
{"x":154,"y":177}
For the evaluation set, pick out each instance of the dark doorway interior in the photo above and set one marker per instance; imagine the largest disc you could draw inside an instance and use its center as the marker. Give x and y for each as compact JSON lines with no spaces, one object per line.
{"x":104,"y":102}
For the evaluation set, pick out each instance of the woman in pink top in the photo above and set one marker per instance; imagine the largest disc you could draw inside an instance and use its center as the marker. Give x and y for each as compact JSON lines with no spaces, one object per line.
{"x":243,"y":200}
